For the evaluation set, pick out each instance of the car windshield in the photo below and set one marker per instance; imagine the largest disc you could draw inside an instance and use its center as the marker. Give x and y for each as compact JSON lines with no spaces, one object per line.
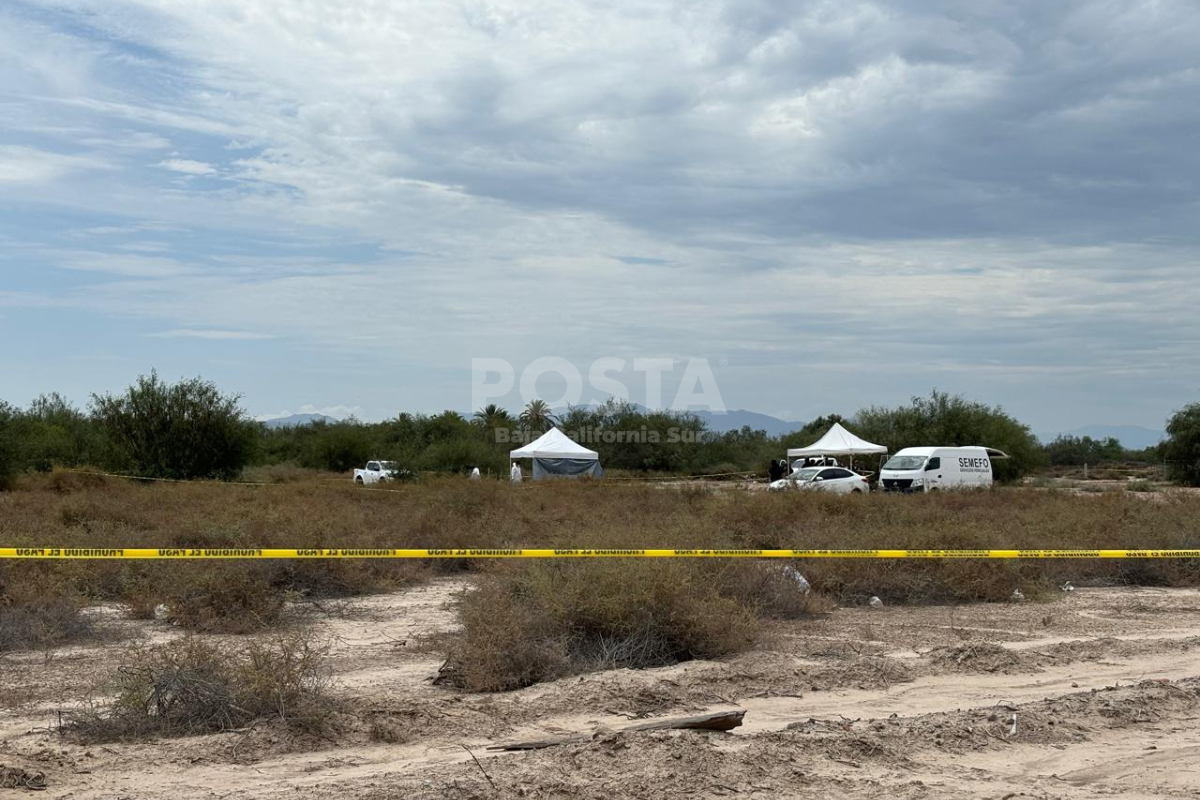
{"x":805,"y":474}
{"x":905,"y":462}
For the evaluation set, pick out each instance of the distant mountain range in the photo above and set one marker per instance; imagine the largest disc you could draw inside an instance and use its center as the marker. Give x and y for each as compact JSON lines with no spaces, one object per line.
{"x":1133,"y":437}
{"x":737,"y":419}
{"x":293,"y":420}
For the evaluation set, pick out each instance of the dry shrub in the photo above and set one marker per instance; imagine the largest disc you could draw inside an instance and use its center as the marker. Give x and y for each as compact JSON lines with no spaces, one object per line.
{"x":224,"y":598}
{"x":388,"y":731}
{"x":975,"y":657}
{"x":909,"y":581}
{"x":141,"y":598}
{"x":192,"y":686}
{"x":286,"y":473}
{"x":769,"y":589}
{"x":36,"y":611}
{"x":541,"y":620}
{"x":18,"y":778}
{"x":346,"y":577}
{"x":64,"y":481}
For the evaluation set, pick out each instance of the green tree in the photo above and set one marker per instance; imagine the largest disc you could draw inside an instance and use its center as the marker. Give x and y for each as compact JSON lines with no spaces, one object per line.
{"x":1075,"y":450}
{"x":183,"y":430}
{"x":491,"y":417}
{"x":53,"y":432}
{"x":338,"y":447}
{"x":8,"y":449}
{"x":1181,"y":450}
{"x":953,"y":421}
{"x":537,"y":417}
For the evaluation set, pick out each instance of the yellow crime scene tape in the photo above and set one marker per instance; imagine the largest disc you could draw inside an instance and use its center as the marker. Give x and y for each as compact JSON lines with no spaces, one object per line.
{"x":184,"y":554}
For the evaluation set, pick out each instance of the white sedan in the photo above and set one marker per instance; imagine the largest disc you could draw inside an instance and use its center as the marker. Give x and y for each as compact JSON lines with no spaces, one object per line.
{"x":825,"y":479}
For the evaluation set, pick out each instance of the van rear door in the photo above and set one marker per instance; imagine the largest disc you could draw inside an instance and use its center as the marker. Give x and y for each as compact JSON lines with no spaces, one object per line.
{"x":976,"y":467}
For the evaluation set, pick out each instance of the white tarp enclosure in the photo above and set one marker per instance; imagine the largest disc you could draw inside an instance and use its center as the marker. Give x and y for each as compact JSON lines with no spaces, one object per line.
{"x":837,"y":441}
{"x":555,"y":455}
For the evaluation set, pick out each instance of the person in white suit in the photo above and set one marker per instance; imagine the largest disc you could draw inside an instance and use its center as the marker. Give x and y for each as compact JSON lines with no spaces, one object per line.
{"x":514,"y":474}
{"x":475,"y":473}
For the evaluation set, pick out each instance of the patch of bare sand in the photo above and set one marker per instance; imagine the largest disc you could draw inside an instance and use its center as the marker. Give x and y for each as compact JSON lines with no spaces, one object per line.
{"x":849,"y":672}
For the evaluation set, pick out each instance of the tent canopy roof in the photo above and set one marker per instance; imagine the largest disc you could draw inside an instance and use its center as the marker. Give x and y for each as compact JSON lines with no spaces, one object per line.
{"x":837,"y":441}
{"x":554,"y":444}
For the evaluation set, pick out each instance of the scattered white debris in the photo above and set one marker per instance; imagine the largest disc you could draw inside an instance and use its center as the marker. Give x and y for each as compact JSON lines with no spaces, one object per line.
{"x":1013,"y":730}
{"x":875,"y":602}
{"x":1067,"y":587}
{"x":800,"y":580}
{"x":160,"y":611}
{"x":1018,"y":595}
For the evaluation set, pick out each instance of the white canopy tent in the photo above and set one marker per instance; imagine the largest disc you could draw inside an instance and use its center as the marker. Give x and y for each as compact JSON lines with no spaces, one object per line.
{"x":556,"y":455}
{"x":554,"y":444}
{"x":837,"y":441}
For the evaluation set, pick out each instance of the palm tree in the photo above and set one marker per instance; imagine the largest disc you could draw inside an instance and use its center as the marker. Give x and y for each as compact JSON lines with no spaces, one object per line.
{"x":492,"y":416}
{"x":537,"y":416}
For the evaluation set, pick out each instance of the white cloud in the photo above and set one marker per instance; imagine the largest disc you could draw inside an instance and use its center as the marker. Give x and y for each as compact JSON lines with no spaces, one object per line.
{"x":29,"y":165}
{"x":187,"y":166}
{"x":210,"y":333}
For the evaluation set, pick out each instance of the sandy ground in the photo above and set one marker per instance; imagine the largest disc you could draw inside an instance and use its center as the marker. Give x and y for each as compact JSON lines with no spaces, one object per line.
{"x":1095,"y":695}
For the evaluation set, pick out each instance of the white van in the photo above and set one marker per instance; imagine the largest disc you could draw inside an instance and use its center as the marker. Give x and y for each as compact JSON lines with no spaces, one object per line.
{"x":924,"y":469}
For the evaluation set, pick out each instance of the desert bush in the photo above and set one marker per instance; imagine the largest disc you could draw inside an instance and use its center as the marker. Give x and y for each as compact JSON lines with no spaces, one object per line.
{"x":36,"y":611}
{"x":65,"y":481}
{"x":345,"y":577}
{"x":8,"y":447}
{"x":183,"y":430}
{"x":538,"y":621}
{"x":286,"y":473}
{"x":193,"y":686}
{"x":769,"y":589}
{"x":1181,"y":450}
{"x":224,"y":598}
{"x":51,"y":432}
{"x":336,"y":447}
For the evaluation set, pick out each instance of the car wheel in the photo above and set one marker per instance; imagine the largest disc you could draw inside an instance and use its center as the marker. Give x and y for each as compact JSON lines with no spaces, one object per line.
{"x":359,"y":481}
{"x":856,"y":491}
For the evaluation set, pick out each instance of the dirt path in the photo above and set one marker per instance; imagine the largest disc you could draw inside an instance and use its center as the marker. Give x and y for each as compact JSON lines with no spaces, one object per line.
{"x":898,"y":703}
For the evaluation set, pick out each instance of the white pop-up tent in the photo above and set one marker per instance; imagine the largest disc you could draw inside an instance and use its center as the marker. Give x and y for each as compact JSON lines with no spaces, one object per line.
{"x":837,"y":441}
{"x":555,"y":455}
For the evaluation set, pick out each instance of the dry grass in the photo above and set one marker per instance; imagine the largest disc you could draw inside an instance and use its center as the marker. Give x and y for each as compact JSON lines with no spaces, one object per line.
{"x":64,"y":509}
{"x":527,"y":623}
{"x":36,"y":611}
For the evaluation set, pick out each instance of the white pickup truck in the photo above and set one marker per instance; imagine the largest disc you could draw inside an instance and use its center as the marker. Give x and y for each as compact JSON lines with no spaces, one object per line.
{"x":377,"y":471}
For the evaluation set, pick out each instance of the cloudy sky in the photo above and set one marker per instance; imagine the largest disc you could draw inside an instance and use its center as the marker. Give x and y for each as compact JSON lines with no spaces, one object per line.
{"x":337,"y":204}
